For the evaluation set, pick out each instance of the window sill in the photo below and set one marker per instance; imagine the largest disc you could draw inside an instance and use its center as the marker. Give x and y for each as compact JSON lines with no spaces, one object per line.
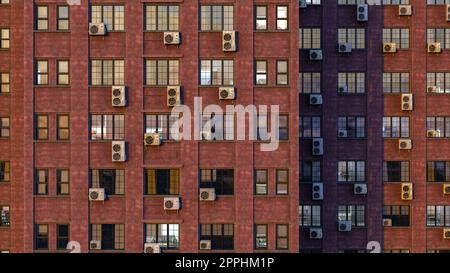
{"x":51,"y":31}
{"x":51,"y":141}
{"x":270,"y":195}
{"x":42,"y":196}
{"x":51,"y":86}
{"x":5,"y":183}
{"x":392,"y":227}
{"x":5,"y":227}
{"x":5,"y":94}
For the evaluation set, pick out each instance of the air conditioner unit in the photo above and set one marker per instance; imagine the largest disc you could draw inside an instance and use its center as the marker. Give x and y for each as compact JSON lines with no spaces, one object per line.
{"x":173,"y":96}
{"x":119,"y":96}
{"x":360,"y":189}
{"x":97,"y":29}
{"x":227,"y":93}
{"x":407,"y":102}
{"x":172,"y":38}
{"x":317,"y":191}
{"x":344,"y":47}
{"x":404,"y":144}
{"x":405,"y":10}
{"x":302,"y":4}
{"x":432,"y":89}
{"x":433,"y":133}
{"x":342,"y":133}
{"x":446,"y":189}
{"x":447,"y":12}
{"x":387,"y":222}
{"x":446,"y":233}
{"x":315,"y":55}
{"x":343,"y":89}
{"x":407,"y":191}
{"x":205,"y":244}
{"x":315,"y":233}
{"x":317,"y":146}
{"x":229,"y":40}
{"x":97,"y":194}
{"x":362,"y":12}
{"x":207,"y":194}
{"x":172,"y":203}
{"x":345,"y":226}
{"x":153,"y":139}
{"x":152,"y":248}
{"x":434,"y":47}
{"x":389,"y":47}
{"x":95,"y":244}
{"x":315,"y":99}
{"x":119,"y":153}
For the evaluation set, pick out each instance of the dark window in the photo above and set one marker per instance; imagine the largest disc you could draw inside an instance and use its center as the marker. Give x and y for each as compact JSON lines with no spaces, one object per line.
{"x":282,"y":181}
{"x":161,"y":124}
{"x":399,"y":215}
{"x":167,"y":235}
{"x":4,"y":216}
{"x":62,"y":236}
{"x":5,"y":171}
{"x":41,"y":237}
{"x":112,"y":236}
{"x":311,"y":171}
{"x":222,"y":180}
{"x":261,"y":237}
{"x":282,"y":236}
{"x":113,"y":181}
{"x":351,"y":127}
{"x":396,"y":171}
{"x":354,"y":213}
{"x":261,"y":182}
{"x":283,"y":127}
{"x":163,"y":182}
{"x":221,"y":235}
{"x":310,"y":215}
{"x":107,"y":127}
{"x":438,"y":171}
{"x":310,"y":126}
{"x":62,"y":181}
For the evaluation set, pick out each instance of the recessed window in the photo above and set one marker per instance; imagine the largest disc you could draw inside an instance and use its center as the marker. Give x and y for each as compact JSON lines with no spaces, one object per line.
{"x":5,"y":171}
{"x":5,"y":127}
{"x":311,"y":171}
{"x":399,"y":215}
{"x":282,"y":18}
{"x":283,"y":127}
{"x":161,"y":124}
{"x":352,"y":171}
{"x":166,"y":235}
{"x":438,"y":216}
{"x":41,"y":127}
{"x":163,"y":182}
{"x":396,"y":171}
{"x":41,"y":237}
{"x":62,"y":182}
{"x":220,"y":235}
{"x":63,"y":127}
{"x":162,"y":18}
{"x":63,"y":18}
{"x":62,"y":236}
{"x":217,"y":72}
{"x":399,"y":36}
{"x":111,"y":236}
{"x":354,"y":83}
{"x":395,"y":127}
{"x":63,"y":72}
{"x":310,"y":215}
{"x":107,"y":72}
{"x":310,"y":38}
{"x":351,"y":127}
{"x":440,"y":81}
{"x":113,"y":181}
{"x":310,"y":83}
{"x":261,"y":237}
{"x":354,"y":213}
{"x":41,"y":72}
{"x":282,"y":182}
{"x":261,"y":18}
{"x":310,"y":126}
{"x":107,"y":127}
{"x":355,"y":36}
{"x":5,"y":83}
{"x":261,"y":182}
{"x":396,"y":82}
{"x":222,"y":180}
{"x":112,"y":16}
{"x":282,"y":236}
{"x":217,"y":127}
{"x":41,"y":182}
{"x":216,"y":18}
{"x":4,"y":38}
{"x":261,"y":72}
{"x":282,"y":72}
{"x":162,"y":72}
{"x":41,"y":18}
{"x":438,"y":171}
{"x":4,"y":216}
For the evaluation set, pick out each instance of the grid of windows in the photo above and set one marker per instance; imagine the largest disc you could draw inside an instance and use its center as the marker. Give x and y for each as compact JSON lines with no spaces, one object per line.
{"x":399,"y":36}
{"x":310,"y":83}
{"x":351,"y":127}
{"x":107,"y":72}
{"x":166,"y":235}
{"x":355,"y":36}
{"x":162,"y":18}
{"x":351,"y":171}
{"x":354,"y":213}
{"x":310,"y":38}
{"x":396,"y":171}
{"x":162,"y":72}
{"x":112,"y":16}
{"x":396,"y":82}
{"x":216,"y":18}
{"x":355,"y":82}
{"x":216,"y":72}
{"x":395,"y":127}
{"x":310,"y":215}
{"x":107,"y":127}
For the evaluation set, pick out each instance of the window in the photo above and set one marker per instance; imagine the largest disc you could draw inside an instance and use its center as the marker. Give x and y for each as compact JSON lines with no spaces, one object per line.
{"x":107,"y":127}
{"x":351,"y":171}
{"x":439,"y":124}
{"x":5,"y":83}
{"x":282,"y":73}
{"x":63,"y":18}
{"x":261,"y":237}
{"x":310,"y":83}
{"x":62,"y":182}
{"x":221,"y":235}
{"x":352,"y":127}
{"x":351,"y":2}
{"x":355,"y":82}
{"x":4,"y":127}
{"x":4,"y":2}
{"x":261,"y":182}
{"x":353,"y":213}
{"x":261,"y":18}
{"x":162,"y":72}
{"x":107,"y":72}
{"x":4,"y":38}
{"x":41,"y":237}
{"x":162,"y":18}
{"x":440,"y":81}
{"x":313,"y":2}
{"x":396,"y":171}
{"x":41,"y":127}
{"x":399,"y":36}
{"x":395,"y":127}
{"x":355,"y":36}
{"x":261,"y":73}
{"x":310,"y":38}
{"x":5,"y":171}
{"x":62,"y":236}
{"x":310,"y":215}
{"x":395,"y":2}
{"x":63,"y":127}
{"x":222,"y":180}
{"x":438,"y":216}
{"x":112,"y":16}
{"x":161,"y":124}
{"x":41,"y":178}
{"x":217,"y":127}
{"x":395,"y":82}
{"x":42,"y":72}
{"x":261,"y":127}
{"x":217,"y":72}
{"x":437,"y":2}
{"x":4,"y":216}
{"x":41,"y":18}
{"x":282,"y":236}
{"x":283,"y":127}
{"x":63,"y":72}
{"x":439,"y":35}
{"x":167,"y":235}
{"x":163,"y":182}
{"x":282,"y":18}
{"x":438,"y":171}
{"x":282,"y":181}
{"x":112,"y":236}
{"x":216,"y":18}
{"x":113,"y":181}
{"x":395,"y":251}
{"x":311,"y":171}
{"x":399,"y":215}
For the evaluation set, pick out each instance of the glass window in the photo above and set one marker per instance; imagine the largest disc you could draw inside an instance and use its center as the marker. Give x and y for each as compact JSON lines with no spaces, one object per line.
{"x":107,"y":127}
{"x":41,"y":18}
{"x":113,"y":181}
{"x":261,"y":18}
{"x":282,"y":18}
{"x":282,"y":182}
{"x":163,"y":182}
{"x":63,"y":18}
{"x":63,"y":72}
{"x":62,"y":181}
{"x":261,"y":182}
{"x":216,"y":18}
{"x":261,"y":240}
{"x":5,"y":127}
{"x":166,"y":235}
{"x":42,"y":72}
{"x":222,"y":180}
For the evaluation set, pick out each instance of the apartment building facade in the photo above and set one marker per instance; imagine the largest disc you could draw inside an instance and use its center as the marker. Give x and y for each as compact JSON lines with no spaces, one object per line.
{"x":87,"y":154}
